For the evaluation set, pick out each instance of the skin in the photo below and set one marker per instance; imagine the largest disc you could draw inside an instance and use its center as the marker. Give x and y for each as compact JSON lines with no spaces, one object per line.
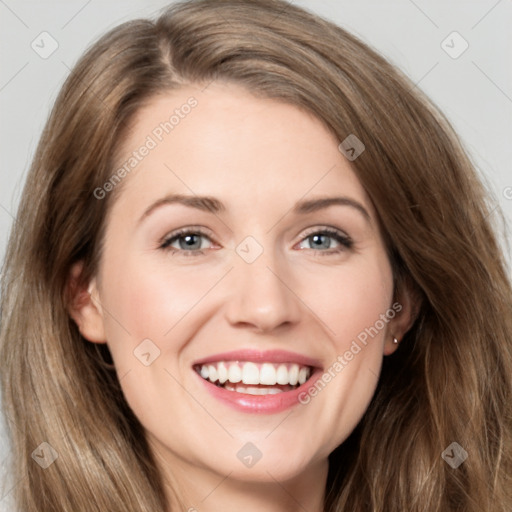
{"x":259,"y":157}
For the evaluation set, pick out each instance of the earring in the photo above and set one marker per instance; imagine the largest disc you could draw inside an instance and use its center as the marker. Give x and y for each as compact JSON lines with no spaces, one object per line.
{"x":395,"y":341}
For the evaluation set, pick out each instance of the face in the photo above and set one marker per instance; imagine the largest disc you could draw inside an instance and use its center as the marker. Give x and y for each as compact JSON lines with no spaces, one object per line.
{"x":242,"y":246}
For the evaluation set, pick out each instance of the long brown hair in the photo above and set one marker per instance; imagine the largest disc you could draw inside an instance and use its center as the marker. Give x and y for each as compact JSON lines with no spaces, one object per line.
{"x":450,"y":380}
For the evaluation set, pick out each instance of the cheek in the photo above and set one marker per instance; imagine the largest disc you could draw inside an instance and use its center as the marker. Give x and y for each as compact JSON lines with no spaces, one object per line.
{"x":354,"y":301}
{"x":149,"y":300}
{"x":352,"y":311}
{"x":145,"y":312}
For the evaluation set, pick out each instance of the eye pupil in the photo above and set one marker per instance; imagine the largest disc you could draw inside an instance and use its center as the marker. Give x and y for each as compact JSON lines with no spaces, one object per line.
{"x":189,"y":241}
{"x":317,"y":237}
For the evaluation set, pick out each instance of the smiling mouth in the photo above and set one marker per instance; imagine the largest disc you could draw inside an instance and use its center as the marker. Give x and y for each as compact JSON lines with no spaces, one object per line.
{"x":255,"y":378}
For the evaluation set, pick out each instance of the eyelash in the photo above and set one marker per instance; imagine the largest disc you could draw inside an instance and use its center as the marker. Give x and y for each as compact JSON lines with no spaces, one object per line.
{"x":344,"y":241}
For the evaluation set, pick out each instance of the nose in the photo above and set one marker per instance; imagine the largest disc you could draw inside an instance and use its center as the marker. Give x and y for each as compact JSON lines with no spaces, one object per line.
{"x":262,"y":296}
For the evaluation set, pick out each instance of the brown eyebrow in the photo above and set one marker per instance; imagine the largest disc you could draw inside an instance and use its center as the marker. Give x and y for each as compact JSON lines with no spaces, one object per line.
{"x":204,"y":203}
{"x":313,"y":205}
{"x":213,"y":205}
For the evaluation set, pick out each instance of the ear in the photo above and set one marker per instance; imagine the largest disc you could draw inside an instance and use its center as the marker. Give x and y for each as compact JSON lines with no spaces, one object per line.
{"x":406,"y":305}
{"x":84,"y":306}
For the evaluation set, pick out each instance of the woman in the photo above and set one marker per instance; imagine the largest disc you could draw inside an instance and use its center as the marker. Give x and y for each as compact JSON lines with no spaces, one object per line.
{"x":338,"y":221}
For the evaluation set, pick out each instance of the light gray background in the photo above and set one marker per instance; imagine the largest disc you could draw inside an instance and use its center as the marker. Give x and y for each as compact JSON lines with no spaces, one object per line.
{"x":474,"y":90}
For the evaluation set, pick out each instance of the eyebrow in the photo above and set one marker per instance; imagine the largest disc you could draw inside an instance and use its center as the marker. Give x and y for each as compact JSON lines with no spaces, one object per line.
{"x":213,"y":205}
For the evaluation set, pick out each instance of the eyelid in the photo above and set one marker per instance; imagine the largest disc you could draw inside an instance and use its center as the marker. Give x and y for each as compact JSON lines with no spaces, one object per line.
{"x":325,"y":227}
{"x":186,"y":230}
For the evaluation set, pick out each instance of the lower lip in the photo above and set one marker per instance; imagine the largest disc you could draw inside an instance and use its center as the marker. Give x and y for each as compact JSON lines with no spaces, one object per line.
{"x":263,"y":404}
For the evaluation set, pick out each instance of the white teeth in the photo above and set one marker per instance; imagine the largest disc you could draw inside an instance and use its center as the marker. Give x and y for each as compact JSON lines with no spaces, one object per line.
{"x":212,"y":373}
{"x":234,"y":373}
{"x":250,"y":373}
{"x":293,"y":374}
{"x":303,"y":375}
{"x":253,"y":391}
{"x":204,"y":371}
{"x":282,"y":375}
{"x":223,"y":372}
{"x":268,"y":374}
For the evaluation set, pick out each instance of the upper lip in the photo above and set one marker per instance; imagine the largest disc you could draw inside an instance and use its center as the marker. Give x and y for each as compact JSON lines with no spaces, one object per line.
{"x":257,"y":356}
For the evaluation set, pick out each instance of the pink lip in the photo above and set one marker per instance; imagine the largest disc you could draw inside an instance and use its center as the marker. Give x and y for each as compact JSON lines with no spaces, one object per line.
{"x":256,"y":356}
{"x":262,"y":404}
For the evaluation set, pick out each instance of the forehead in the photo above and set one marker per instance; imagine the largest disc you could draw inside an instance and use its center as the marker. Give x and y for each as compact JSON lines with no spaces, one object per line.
{"x":223,"y":141}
